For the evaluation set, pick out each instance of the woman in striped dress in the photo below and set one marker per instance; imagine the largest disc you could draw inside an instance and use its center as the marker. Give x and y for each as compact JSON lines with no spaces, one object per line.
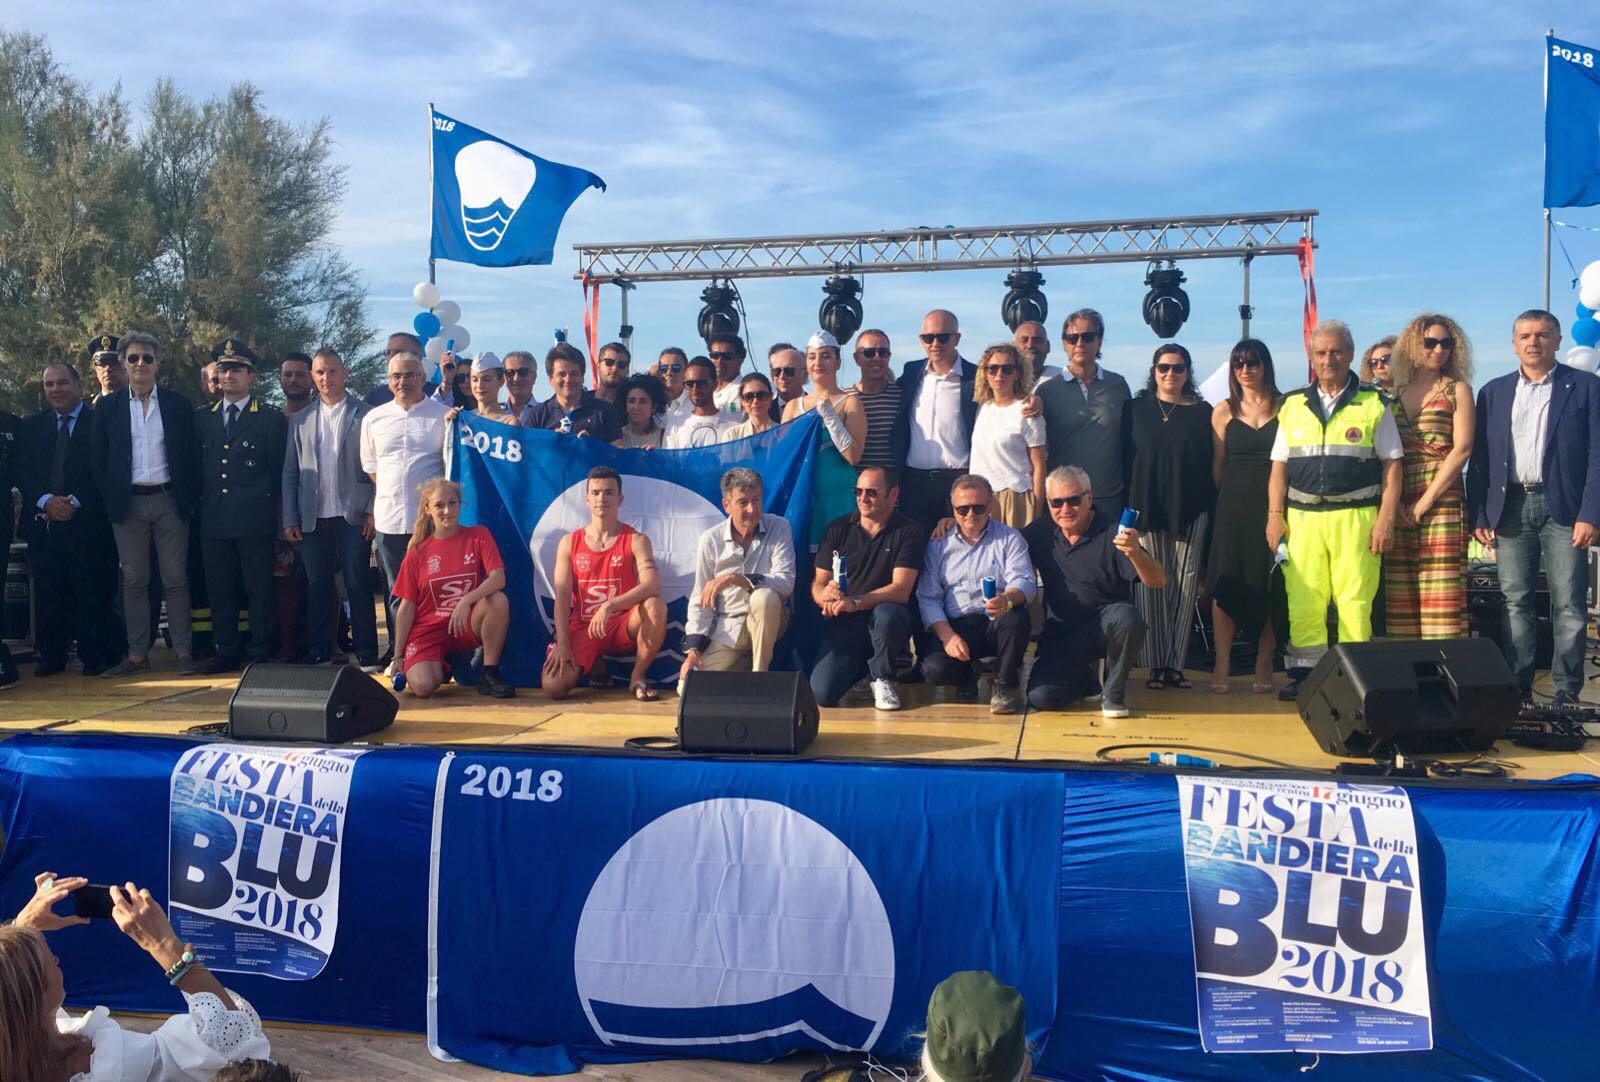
{"x":1425,"y":573}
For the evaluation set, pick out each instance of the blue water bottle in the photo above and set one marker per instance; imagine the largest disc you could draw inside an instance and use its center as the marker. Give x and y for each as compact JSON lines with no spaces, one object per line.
{"x":564,"y":426}
{"x":1130,"y":519}
{"x":839,"y":573}
{"x":990,"y":588}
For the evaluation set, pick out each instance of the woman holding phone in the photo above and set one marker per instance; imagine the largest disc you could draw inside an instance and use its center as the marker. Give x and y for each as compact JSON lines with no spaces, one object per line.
{"x":41,"y":1042}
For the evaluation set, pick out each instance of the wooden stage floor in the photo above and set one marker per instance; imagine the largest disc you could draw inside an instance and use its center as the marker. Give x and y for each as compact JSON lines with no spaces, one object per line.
{"x":931,"y":726}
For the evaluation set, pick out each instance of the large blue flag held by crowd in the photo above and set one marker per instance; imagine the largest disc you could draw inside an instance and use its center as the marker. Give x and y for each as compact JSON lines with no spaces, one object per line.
{"x":495,"y":204}
{"x":527,"y":486}
{"x":1571,"y":124}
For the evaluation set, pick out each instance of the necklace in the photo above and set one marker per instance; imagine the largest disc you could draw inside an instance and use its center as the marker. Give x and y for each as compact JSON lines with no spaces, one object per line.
{"x":1166,"y":414}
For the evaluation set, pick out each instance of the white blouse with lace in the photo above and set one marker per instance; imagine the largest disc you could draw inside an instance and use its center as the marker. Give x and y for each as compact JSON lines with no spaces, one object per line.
{"x":187,"y":1048}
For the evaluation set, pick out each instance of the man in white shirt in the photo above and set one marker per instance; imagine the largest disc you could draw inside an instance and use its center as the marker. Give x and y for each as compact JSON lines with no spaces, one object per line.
{"x":932,"y":432}
{"x":727,"y":352}
{"x":671,"y":366}
{"x":327,"y":508}
{"x":402,"y":445}
{"x":743,"y":579}
{"x":521,"y":373}
{"x":704,"y":424}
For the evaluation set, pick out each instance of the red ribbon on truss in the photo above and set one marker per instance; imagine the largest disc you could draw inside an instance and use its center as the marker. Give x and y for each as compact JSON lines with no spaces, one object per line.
{"x":1308,"y":319}
{"x":591,"y":324}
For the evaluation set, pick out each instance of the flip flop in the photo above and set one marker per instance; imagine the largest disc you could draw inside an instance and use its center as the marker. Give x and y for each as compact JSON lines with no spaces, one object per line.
{"x":1156,"y":681}
{"x":1220,"y":689}
{"x":1261,"y":689}
{"x":1176,"y":679}
{"x":644,"y":693}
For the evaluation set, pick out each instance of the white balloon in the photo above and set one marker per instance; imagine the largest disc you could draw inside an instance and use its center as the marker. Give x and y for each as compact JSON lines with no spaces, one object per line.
{"x":454,"y":336}
{"x":1591,"y":273}
{"x":426,"y":294}
{"x":1584,"y":358}
{"x":448,"y":312}
{"x":1589,"y":292}
{"x":435,"y":350}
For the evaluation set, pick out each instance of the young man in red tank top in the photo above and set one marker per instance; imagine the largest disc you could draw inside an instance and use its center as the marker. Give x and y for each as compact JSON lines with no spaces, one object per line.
{"x":607,"y":595}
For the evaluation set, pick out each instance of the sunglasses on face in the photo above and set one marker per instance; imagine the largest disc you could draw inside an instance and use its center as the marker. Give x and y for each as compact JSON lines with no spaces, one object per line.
{"x":518,"y":373}
{"x":1081,"y":336}
{"x":780,"y":373}
{"x":721,"y":355}
{"x":940,"y":337}
{"x":1170,"y":369}
{"x":873,"y":353}
{"x":612,"y":361}
{"x":967,"y":509}
{"x":1058,"y":502}
{"x":1384,"y":360}
{"x":1245,"y":362}
{"x":141,"y":358}
{"x":867,"y":493}
{"x":1438,"y":343}
{"x":1000,"y":369}
{"x":673,"y":367}
{"x":696,"y":383}
{"x":756,"y":396}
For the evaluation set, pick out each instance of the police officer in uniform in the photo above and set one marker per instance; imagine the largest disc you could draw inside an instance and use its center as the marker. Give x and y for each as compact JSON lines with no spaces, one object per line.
{"x":241,"y":444}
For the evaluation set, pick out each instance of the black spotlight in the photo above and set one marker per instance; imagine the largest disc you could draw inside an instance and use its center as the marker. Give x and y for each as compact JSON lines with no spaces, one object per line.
{"x":1166,"y":306}
{"x":840,"y":314}
{"x":1023,"y":302}
{"x":718,"y":315}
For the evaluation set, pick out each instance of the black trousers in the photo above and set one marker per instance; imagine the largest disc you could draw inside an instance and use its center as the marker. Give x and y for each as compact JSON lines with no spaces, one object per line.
{"x":1004,"y":638}
{"x":74,"y":587}
{"x":925,"y":495}
{"x":232,"y":562}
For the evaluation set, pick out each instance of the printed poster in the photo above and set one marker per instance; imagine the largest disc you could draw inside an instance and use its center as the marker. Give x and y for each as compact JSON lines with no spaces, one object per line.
{"x":1306,"y":909}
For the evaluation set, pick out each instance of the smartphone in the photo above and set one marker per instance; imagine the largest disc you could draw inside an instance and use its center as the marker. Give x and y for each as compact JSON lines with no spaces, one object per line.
{"x":93,"y":902}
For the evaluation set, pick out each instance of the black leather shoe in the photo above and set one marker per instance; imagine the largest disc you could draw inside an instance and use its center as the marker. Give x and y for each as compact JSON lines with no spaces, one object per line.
{"x":9,"y":676}
{"x":489,"y":683}
{"x":220,"y":664}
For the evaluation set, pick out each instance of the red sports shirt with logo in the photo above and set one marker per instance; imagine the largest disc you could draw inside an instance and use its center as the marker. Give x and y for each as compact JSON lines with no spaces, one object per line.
{"x":597,"y":577}
{"x":438,"y":573}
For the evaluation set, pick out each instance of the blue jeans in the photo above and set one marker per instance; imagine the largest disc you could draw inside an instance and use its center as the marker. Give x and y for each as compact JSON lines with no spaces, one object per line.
{"x":335,"y":546}
{"x":1063,"y":665}
{"x":1526,"y":537}
{"x":859,"y":643}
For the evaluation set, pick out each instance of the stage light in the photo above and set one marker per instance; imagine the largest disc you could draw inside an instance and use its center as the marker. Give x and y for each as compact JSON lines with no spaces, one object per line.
{"x":718,"y":315}
{"x":1023,"y":302}
{"x":1166,"y":306}
{"x":840,"y":314}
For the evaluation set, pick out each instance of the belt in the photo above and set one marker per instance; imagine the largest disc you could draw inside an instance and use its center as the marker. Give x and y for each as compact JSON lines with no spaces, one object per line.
{"x":150,"y":490}
{"x":1537,"y":486}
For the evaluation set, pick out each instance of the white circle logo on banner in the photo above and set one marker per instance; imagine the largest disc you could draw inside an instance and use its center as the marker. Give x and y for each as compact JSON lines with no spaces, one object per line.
{"x":730,"y":921}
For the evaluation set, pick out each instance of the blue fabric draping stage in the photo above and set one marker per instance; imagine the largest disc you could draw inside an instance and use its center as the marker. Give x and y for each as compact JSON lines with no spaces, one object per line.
{"x":563,"y":880}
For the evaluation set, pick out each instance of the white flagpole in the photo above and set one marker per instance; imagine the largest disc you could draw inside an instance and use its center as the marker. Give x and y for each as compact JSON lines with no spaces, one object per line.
{"x":430,"y":199}
{"x":1548,"y":35}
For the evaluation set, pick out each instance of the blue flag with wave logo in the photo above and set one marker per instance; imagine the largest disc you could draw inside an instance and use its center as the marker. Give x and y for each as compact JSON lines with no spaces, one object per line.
{"x":1571,"y":124}
{"x":495,"y":204}
{"x":527,"y":487}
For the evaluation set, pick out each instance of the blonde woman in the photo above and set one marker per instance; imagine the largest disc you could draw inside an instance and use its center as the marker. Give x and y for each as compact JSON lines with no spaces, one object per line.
{"x":1008,"y":449}
{"x":1377,"y":365}
{"x":436,"y":617}
{"x":1425,"y":573}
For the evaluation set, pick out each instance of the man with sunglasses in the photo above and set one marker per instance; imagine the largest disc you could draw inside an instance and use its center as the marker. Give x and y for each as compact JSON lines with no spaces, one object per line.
{"x":867,"y":623}
{"x":788,"y":367}
{"x":932,"y":433}
{"x":520,"y":373}
{"x":670,"y":366}
{"x":615,"y":365}
{"x":705,"y":423}
{"x":1334,"y":493}
{"x":879,"y":396}
{"x":727,"y":353}
{"x":950,"y":597}
{"x":1083,"y":412}
{"x":1088,"y":566}
{"x":142,"y":454}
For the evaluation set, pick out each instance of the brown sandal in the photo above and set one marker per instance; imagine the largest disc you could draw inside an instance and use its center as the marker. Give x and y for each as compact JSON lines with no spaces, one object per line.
{"x":644,"y":693}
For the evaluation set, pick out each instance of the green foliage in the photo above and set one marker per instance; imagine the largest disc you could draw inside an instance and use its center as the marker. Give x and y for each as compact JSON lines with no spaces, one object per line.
{"x":201,"y":220}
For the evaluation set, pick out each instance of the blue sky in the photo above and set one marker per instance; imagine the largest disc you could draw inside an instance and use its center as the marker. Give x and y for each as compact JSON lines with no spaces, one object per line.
{"x":1416,"y":130}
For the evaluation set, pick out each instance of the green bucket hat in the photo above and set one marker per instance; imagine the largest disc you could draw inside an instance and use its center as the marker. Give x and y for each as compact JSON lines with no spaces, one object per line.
{"x":976,"y":1029}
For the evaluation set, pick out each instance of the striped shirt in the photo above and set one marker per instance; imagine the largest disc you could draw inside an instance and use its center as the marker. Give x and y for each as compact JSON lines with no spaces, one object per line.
{"x":880,"y":409}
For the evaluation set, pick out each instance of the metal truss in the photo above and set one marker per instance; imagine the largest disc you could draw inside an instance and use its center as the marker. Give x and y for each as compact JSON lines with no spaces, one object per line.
{"x":1214,"y":236}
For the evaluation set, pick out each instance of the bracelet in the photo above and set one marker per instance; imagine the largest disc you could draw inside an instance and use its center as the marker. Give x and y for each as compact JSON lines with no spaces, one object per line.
{"x":1274,"y":511}
{"x":183,"y":965}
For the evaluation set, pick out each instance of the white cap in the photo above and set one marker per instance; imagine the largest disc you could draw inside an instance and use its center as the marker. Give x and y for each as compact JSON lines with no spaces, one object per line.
{"x":822,"y":340}
{"x":486,"y":362}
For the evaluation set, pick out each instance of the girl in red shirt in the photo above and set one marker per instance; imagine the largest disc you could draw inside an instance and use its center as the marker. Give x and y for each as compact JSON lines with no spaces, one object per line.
{"x":452,"y":599}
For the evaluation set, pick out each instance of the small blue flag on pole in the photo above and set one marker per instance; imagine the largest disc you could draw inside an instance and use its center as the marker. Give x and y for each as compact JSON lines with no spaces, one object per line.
{"x":1571,"y":124}
{"x":495,"y":204}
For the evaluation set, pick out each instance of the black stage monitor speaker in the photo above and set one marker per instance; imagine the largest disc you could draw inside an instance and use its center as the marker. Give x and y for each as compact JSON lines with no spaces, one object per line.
{"x":770,"y":713}
{"x":328,"y":704}
{"x":1366,"y":698}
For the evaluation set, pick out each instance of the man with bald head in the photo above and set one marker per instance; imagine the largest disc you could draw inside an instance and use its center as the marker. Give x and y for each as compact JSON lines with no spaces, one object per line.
{"x":1034,"y":341}
{"x":70,"y":549}
{"x":932,"y":433}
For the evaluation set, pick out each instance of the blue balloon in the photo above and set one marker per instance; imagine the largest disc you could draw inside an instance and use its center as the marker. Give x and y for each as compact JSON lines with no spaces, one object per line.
{"x":1586,"y":332}
{"x":1584,"y":311}
{"x":427,"y":324}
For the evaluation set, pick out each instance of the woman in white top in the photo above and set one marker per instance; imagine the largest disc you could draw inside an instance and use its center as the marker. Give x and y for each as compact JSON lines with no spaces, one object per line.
{"x":42,"y":1043}
{"x":1008,"y":449}
{"x":644,"y":399}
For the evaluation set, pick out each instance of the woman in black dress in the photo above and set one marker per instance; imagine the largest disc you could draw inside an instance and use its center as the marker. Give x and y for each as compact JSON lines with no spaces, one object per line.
{"x":1170,"y":485}
{"x":1240,"y":576}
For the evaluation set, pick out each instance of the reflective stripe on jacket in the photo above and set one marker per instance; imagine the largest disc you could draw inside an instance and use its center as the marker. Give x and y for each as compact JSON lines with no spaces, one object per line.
{"x":1333,"y":462}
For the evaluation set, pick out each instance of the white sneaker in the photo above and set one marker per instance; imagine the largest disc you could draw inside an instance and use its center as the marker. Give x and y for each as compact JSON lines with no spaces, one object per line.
{"x":1112,"y":710}
{"x":884,"y":696}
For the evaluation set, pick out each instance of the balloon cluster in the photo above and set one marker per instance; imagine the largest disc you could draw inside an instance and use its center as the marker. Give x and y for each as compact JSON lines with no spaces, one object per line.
{"x":1586,"y":331}
{"x":438,"y":325}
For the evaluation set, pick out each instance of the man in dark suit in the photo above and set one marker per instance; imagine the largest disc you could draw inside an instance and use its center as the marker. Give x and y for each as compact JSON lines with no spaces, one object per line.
{"x":69,"y":540}
{"x":932,"y":434}
{"x":240,"y":444}
{"x":1533,"y":487}
{"x":142,"y":456}
{"x":8,"y":444}
{"x":327,"y":508}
